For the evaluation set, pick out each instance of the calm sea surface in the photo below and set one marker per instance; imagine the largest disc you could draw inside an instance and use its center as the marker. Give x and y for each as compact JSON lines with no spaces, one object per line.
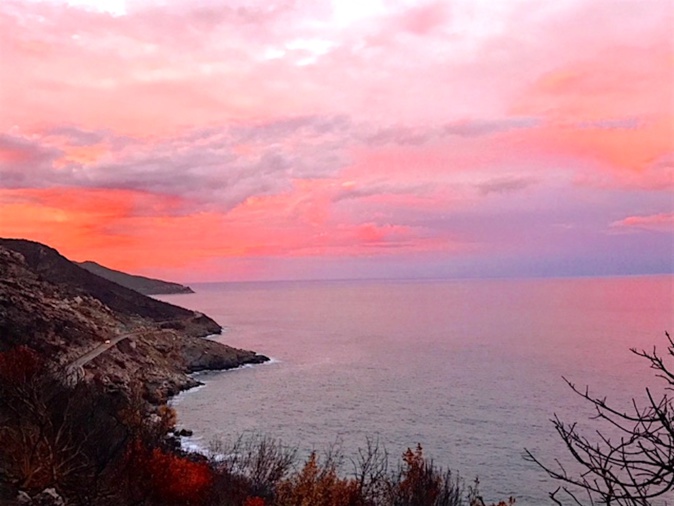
{"x":472,"y":369}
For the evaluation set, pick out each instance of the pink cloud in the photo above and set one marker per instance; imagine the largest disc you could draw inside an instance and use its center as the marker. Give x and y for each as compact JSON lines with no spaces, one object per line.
{"x":307,"y":128}
{"x":661,"y":222}
{"x":423,"y":19}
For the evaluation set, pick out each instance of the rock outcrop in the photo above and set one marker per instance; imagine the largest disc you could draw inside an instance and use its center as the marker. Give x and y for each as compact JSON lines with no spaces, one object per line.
{"x":63,"y":312}
{"x":48,"y":497}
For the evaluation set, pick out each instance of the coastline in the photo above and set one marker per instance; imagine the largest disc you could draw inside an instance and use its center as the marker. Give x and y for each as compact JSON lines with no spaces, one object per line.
{"x":194,"y":375}
{"x":185,"y":435}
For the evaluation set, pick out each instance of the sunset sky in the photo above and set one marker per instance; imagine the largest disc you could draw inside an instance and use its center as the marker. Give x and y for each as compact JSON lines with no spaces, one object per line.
{"x":208,"y":140}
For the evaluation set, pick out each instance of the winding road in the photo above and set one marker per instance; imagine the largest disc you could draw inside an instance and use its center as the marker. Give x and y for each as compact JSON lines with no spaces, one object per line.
{"x":74,"y":371}
{"x":101,"y":348}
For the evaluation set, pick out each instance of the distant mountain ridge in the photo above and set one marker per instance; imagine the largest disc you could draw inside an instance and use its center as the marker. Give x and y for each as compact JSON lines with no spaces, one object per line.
{"x":73,"y":279}
{"x":141,"y":284}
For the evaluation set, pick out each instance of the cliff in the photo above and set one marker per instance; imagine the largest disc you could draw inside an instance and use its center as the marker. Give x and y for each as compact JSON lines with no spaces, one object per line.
{"x":64,"y":312}
{"x":141,"y":284}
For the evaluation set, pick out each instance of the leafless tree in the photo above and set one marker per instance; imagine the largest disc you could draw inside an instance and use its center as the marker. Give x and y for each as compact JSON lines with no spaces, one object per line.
{"x":634,"y":465}
{"x":67,"y":437}
{"x":370,"y":468}
{"x":262,"y":461}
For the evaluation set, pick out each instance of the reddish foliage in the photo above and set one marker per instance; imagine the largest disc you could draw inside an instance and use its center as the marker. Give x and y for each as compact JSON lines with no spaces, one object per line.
{"x":19,"y":365}
{"x":170,"y":479}
{"x":420,"y":483}
{"x":180,"y":480}
{"x":254,"y":501}
{"x":318,"y":485}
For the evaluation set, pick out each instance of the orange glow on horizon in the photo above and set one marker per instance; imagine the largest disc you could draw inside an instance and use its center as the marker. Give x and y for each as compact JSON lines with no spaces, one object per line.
{"x":161,"y":138}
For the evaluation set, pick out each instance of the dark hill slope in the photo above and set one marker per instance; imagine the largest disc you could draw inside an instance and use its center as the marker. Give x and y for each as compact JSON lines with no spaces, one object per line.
{"x":142,"y":284}
{"x":64,"y":325}
{"x":39,"y":314}
{"x":51,"y":266}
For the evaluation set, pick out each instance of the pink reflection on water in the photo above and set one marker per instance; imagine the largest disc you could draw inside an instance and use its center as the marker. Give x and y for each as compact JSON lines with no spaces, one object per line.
{"x":472,"y":369}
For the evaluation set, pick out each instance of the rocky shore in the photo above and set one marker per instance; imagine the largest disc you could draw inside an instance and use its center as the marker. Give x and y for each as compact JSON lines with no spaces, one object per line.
{"x":64,"y":312}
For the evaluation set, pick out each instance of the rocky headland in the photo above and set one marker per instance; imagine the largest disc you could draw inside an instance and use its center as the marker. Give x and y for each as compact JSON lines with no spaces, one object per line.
{"x":63,"y":312}
{"x":141,"y":284}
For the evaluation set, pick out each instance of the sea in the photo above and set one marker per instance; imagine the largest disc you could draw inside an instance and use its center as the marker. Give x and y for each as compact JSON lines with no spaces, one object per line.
{"x":472,"y":370}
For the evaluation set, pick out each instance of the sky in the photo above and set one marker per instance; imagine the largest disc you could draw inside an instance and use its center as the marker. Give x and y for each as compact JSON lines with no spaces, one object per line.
{"x":210,"y":140}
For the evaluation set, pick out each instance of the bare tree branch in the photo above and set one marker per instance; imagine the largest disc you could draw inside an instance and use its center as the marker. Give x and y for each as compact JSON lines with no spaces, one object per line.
{"x":633,"y":463}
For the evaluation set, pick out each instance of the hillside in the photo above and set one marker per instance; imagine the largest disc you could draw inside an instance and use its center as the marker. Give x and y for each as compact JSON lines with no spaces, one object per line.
{"x":74,"y":280}
{"x":62,"y":312}
{"x":84,"y":382}
{"x":141,"y":284}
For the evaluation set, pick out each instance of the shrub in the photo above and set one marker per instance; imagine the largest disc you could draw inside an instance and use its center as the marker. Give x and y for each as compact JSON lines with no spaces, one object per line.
{"x":165,"y":478}
{"x":252,"y":465}
{"x":254,"y":501}
{"x":318,"y":485}
{"x":19,"y":365}
{"x":420,"y":483}
{"x":54,"y":435}
{"x":96,"y":447}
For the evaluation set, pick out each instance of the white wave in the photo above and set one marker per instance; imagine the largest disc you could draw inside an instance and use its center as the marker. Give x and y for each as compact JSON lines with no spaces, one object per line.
{"x":194,"y":444}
